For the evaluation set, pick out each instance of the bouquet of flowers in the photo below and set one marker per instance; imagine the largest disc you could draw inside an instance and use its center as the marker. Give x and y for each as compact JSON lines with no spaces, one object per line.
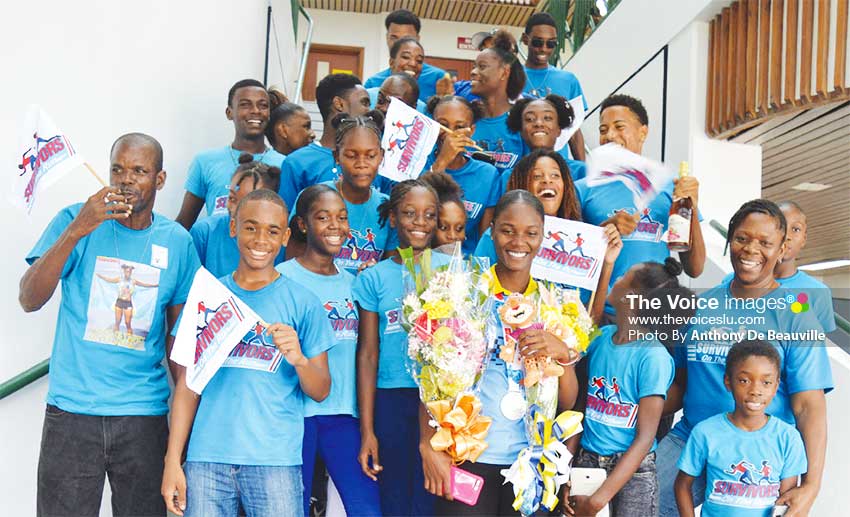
{"x":445,"y":312}
{"x":542,"y":467}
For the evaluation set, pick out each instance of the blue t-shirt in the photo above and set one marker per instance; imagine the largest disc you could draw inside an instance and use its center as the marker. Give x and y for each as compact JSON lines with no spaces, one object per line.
{"x":252,"y":412}
{"x":642,"y":245}
{"x":210,"y":172}
{"x":480,"y":184}
{"x":421,"y":107}
{"x":334,"y":293}
{"x":578,"y":169}
{"x":543,"y":81}
{"x":743,"y":468}
{"x":618,"y":376}
{"x":493,"y":136}
{"x":307,"y":166}
{"x":379,"y":289}
{"x":94,"y":368}
{"x":464,"y":89}
{"x":805,"y":364}
{"x":427,"y":80}
{"x":216,"y":248}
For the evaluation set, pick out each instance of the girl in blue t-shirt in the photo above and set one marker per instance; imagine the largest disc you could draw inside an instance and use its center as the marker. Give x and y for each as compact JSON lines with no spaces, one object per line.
{"x":518,"y":226}
{"x":212,"y":237}
{"x":289,"y":127}
{"x":451,"y":216}
{"x":539,"y":122}
{"x":254,"y":402}
{"x":498,"y":78}
{"x":628,"y":374}
{"x":358,"y":153}
{"x":331,"y":427}
{"x":386,"y":393}
{"x":478,"y":180}
{"x":749,"y":458}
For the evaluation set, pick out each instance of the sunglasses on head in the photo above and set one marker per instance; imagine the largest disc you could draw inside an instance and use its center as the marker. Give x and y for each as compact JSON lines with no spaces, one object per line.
{"x":539,"y":42}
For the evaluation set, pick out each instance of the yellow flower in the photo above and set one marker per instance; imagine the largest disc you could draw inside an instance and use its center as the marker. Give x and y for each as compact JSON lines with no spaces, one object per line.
{"x":438,"y":309}
{"x":570,"y":309}
{"x":442,"y":335}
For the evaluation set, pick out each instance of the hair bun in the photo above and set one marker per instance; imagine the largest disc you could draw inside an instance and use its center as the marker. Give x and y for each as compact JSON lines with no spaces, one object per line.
{"x":276,"y":98}
{"x":377,"y":117}
{"x":673,"y":267}
{"x":337,"y":120}
{"x":245,"y":158}
{"x":504,"y":40}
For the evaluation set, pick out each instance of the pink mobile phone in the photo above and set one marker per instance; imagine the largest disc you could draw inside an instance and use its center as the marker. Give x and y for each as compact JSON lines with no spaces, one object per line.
{"x":466,"y":486}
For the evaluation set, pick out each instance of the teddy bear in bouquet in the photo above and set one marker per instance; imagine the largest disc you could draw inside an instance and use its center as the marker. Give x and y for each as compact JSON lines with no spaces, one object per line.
{"x":518,"y":314}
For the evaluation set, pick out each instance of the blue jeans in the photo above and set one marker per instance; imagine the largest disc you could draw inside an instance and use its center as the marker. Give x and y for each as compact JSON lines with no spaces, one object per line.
{"x":217,"y":489}
{"x":402,"y":481}
{"x":79,"y":451}
{"x":337,"y":439}
{"x":639,"y":496}
{"x":668,"y":451}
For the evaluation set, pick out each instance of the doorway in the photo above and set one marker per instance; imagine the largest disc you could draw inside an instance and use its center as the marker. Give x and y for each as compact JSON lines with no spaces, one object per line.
{"x":459,"y":69}
{"x":324,"y":60}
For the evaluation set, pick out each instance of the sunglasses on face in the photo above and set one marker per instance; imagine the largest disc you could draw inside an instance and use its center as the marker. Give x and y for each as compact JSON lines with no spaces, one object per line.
{"x":539,"y":42}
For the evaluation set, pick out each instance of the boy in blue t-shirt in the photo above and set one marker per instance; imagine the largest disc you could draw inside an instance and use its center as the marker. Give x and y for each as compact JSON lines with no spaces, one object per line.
{"x":248,"y":426}
{"x":125,"y":273}
{"x":207,"y":183}
{"x":541,"y":36}
{"x":749,"y":458}
{"x":314,"y":163}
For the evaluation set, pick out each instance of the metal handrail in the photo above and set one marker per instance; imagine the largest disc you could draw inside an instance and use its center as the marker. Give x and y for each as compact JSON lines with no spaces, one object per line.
{"x":25,"y":378}
{"x":307,"y":42}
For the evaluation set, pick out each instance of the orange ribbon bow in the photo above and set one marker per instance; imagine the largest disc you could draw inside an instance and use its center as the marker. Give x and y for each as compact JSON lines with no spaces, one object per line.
{"x":462,"y":428}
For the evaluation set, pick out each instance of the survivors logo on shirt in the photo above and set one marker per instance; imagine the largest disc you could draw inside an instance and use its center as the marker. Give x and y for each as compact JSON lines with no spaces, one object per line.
{"x":393,"y":321}
{"x":256,"y":351}
{"x":748,"y":486}
{"x":343,"y":318}
{"x":606,"y":405}
{"x":647,"y":230}
{"x":357,"y":249}
{"x":472,"y":208}
{"x":712,"y":345}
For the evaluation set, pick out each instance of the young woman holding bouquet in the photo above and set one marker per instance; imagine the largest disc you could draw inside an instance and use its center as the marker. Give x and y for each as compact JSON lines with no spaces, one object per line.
{"x":518,"y":233}
{"x":386,"y":393}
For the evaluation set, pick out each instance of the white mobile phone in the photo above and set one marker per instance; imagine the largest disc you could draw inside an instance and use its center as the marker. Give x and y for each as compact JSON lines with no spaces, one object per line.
{"x":779,"y":511}
{"x":586,"y":481}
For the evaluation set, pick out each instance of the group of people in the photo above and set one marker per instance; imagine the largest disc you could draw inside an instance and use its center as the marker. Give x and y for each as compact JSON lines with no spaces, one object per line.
{"x":307,"y":234}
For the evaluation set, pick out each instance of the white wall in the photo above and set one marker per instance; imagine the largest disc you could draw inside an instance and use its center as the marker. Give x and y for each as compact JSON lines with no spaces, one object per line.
{"x":439,"y":38}
{"x":102,"y":68}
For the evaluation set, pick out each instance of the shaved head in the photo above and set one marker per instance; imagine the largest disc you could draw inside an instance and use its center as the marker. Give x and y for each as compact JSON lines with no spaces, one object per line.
{"x":140,"y":140}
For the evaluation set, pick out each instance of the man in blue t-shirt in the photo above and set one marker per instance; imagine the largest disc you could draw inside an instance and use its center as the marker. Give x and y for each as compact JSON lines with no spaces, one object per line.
{"x":207,"y":183}
{"x":126,"y":273}
{"x":624,"y":121}
{"x":314,"y":163}
{"x":402,"y":23}
{"x":541,"y":36}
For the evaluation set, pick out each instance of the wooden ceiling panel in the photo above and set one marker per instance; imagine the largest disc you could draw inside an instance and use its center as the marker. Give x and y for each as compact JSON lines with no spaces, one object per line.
{"x":490,"y":12}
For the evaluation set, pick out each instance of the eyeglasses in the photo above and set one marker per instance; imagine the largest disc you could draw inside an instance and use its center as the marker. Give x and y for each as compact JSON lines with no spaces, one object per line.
{"x":539,"y":42}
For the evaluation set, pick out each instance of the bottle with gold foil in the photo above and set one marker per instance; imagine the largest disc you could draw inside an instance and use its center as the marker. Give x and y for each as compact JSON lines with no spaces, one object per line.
{"x":679,"y":222}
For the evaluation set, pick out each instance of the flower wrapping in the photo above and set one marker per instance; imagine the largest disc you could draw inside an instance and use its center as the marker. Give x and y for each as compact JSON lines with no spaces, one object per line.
{"x":541,"y":468}
{"x":445,"y":312}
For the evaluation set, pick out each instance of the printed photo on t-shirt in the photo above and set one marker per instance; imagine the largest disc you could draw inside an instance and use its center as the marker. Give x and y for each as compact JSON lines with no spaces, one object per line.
{"x":122,"y":302}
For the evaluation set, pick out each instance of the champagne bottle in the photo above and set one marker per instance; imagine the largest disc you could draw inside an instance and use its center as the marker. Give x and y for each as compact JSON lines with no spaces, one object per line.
{"x":679,"y":222}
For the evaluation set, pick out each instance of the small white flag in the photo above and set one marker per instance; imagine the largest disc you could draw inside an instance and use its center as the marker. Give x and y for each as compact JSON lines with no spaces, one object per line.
{"x":409,"y":137}
{"x":46,"y":154}
{"x":213,"y":323}
{"x":645,"y":178}
{"x":572,"y":253}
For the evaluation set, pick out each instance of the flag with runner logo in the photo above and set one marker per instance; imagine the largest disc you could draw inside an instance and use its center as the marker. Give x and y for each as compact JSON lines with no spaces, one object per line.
{"x":45,"y":155}
{"x":572,"y":253}
{"x":645,"y":178}
{"x":409,"y":137}
{"x":213,"y":323}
